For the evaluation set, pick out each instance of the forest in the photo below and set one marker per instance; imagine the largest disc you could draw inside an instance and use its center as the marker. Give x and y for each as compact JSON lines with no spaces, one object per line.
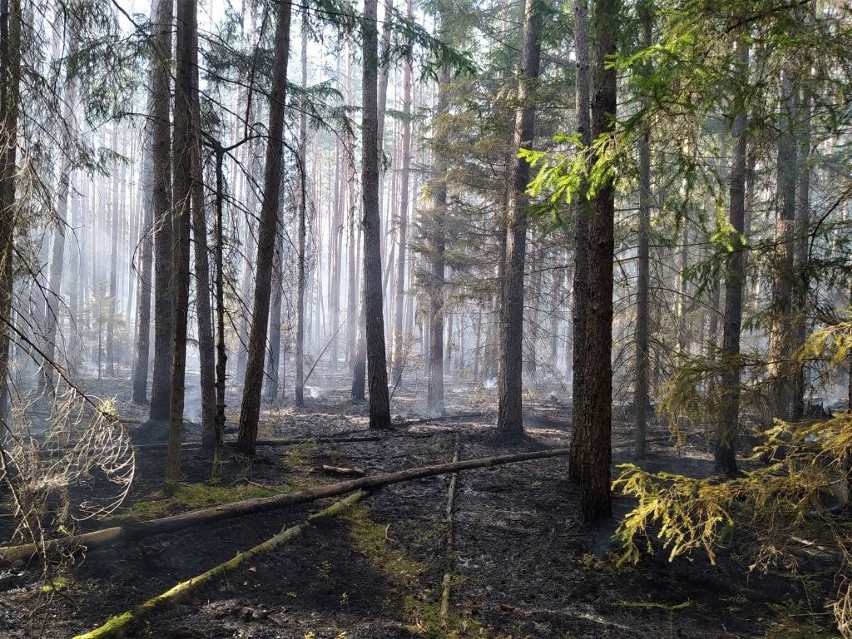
{"x":486,"y":319}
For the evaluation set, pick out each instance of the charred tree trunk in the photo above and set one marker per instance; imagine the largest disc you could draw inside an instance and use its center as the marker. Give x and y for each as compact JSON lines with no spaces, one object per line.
{"x":375,"y":327}
{"x":112,"y":303}
{"x":183,"y":156}
{"x":510,"y":409}
{"x":735,"y":272}
{"x":10,"y":78}
{"x":398,"y":356}
{"x":581,"y":242}
{"x":163,"y":311}
{"x":780,"y":344}
{"x":203,"y":307}
{"x":596,"y":368}
{"x":146,"y":264}
{"x":301,"y":277}
{"x":250,"y":411}
{"x":640,"y":395}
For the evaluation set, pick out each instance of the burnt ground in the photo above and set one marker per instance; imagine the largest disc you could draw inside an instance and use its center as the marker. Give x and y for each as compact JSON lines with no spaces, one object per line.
{"x":523,"y":566}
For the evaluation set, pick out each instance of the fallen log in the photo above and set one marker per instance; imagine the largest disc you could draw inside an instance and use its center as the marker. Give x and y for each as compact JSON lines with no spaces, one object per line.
{"x":17,"y":554}
{"x":339,"y":470}
{"x":118,"y":626}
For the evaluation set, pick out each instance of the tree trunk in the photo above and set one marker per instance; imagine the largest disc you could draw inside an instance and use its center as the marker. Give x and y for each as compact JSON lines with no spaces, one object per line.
{"x":582,"y":213}
{"x":163,"y":311}
{"x":335,"y":257}
{"x":10,"y":78}
{"x":510,"y":409}
{"x":398,"y":356}
{"x":780,"y":344}
{"x":112,"y":303}
{"x":57,"y":260}
{"x":250,"y":411}
{"x":221,"y":352}
{"x":596,"y":368}
{"x":183,"y":159}
{"x":375,"y":326}
{"x":302,"y":233}
{"x":726,"y":430}
{"x":640,"y":395}
{"x":353,"y":289}
{"x":802,"y":257}
{"x":203,"y":308}
{"x":146,"y":263}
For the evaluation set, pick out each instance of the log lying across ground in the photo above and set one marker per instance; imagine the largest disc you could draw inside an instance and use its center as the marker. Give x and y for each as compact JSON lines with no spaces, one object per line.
{"x":18,"y":554}
{"x":120,"y":625}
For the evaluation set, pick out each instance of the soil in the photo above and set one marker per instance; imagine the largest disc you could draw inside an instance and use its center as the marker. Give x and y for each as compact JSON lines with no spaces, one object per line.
{"x":523,"y":564}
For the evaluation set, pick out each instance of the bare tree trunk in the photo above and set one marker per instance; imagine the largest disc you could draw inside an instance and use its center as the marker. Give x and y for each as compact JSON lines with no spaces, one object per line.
{"x":510,"y":409}
{"x":735,"y":273}
{"x":780,"y":344}
{"x":335,"y":257}
{"x":10,"y":78}
{"x":302,"y":233}
{"x":353,"y":290}
{"x":163,"y":311}
{"x":437,"y":248}
{"x":802,"y":256}
{"x":221,"y":353}
{"x":203,"y":309}
{"x":57,"y":260}
{"x":273,"y":364}
{"x":640,"y":395}
{"x":398,"y":357}
{"x":183,"y":156}
{"x":250,"y":411}
{"x":375,"y":326}
{"x":596,"y":368}
{"x":112,"y":302}
{"x":582,"y":213}
{"x":146,"y":263}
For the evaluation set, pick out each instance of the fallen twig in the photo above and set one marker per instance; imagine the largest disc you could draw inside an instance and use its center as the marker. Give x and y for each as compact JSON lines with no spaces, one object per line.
{"x":448,"y":572}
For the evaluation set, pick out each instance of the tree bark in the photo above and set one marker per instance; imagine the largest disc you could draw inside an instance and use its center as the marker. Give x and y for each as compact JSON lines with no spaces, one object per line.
{"x":146,"y":263}
{"x":10,"y":79}
{"x":398,"y":353}
{"x":437,"y":249}
{"x":802,"y":249}
{"x":510,"y":408}
{"x":780,"y":343}
{"x":725,"y":454}
{"x":375,"y":327}
{"x":250,"y":411}
{"x":581,"y":240}
{"x":640,"y":394}
{"x":183,"y":158}
{"x":596,"y":368}
{"x":203,"y":307}
{"x":301,"y":281}
{"x":163,"y":311}
{"x":112,"y":302}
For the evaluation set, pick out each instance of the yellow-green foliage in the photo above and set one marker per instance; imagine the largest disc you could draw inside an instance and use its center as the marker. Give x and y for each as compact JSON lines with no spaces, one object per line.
{"x":692,"y":513}
{"x":832,"y":342}
{"x":199,"y":495}
{"x":781,"y":503}
{"x":371,"y":539}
